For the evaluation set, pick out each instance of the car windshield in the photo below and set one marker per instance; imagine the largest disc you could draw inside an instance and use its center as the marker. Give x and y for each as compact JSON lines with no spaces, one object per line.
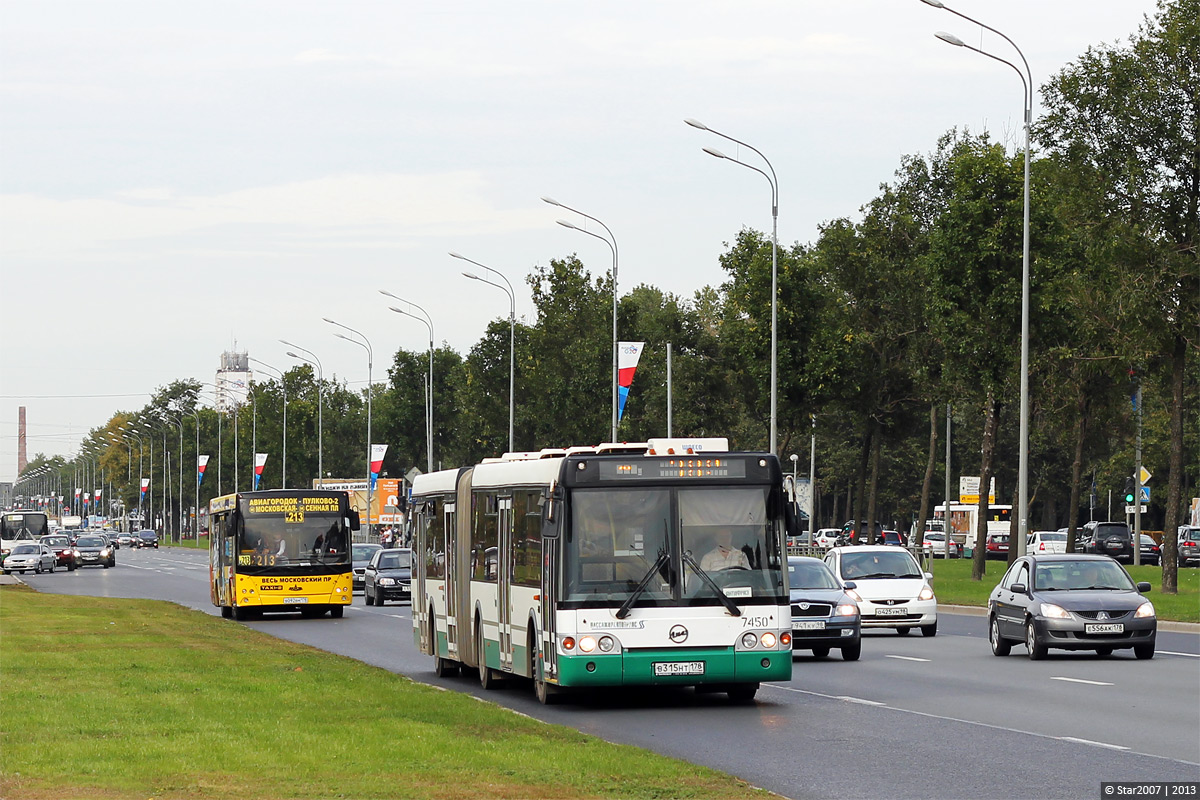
{"x":397,"y":559}
{"x":25,"y":549}
{"x":1057,"y":576}
{"x":858,"y":566}
{"x":57,"y":541}
{"x":362,"y":552}
{"x":810,"y":575}
{"x":691,"y":546}
{"x":90,"y":541}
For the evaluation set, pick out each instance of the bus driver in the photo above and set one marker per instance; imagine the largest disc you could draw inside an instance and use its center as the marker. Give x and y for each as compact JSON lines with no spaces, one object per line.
{"x":724,"y":555}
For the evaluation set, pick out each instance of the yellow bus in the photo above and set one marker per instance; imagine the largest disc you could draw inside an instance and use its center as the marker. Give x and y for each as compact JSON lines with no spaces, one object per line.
{"x":281,"y":550}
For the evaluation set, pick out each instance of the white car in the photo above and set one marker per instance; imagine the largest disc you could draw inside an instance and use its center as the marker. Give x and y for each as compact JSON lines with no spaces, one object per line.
{"x":934,"y":545}
{"x":35,"y":557}
{"x":1042,"y":542}
{"x":895,"y":592}
{"x":826,"y":537}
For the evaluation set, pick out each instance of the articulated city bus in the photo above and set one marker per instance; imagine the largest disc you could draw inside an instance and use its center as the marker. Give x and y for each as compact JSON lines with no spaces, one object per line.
{"x":282,"y":550}
{"x":653,"y":564}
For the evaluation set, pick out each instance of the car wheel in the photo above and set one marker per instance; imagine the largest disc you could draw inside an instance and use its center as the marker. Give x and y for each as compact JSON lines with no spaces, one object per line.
{"x":1037,"y":650}
{"x":820,"y":652}
{"x":851,"y":652}
{"x":38,"y":569}
{"x":1104,"y":651}
{"x":379,"y":599}
{"x":51,"y":567}
{"x":904,"y":631}
{"x":367,"y":599}
{"x":6,"y":572}
{"x":106,"y":565}
{"x":1144,"y":651}
{"x":1000,"y":645}
{"x":929,"y":630}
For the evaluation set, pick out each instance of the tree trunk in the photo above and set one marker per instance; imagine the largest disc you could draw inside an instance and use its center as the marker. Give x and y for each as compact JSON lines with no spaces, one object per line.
{"x":876,"y":435}
{"x":927,"y":485}
{"x":1170,"y":557}
{"x":1081,"y":404}
{"x":990,"y":423}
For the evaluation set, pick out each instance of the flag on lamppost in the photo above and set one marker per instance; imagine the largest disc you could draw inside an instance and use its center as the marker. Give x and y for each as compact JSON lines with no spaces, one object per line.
{"x":97,"y":498}
{"x":77,"y":492}
{"x":628,"y":354}
{"x":145,"y":486}
{"x":377,"y":453}
{"x":260,"y":461}
{"x":201,"y":463}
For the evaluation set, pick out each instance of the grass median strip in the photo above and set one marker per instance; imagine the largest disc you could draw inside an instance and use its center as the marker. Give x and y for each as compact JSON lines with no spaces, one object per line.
{"x":110,"y":698}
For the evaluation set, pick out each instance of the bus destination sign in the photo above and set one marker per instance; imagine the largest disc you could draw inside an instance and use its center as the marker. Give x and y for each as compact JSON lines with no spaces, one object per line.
{"x":675,"y":467}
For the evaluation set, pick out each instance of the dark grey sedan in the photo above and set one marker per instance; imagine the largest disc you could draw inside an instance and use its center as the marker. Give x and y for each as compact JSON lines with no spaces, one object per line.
{"x":388,"y":576}
{"x":1070,"y":602}
{"x":95,"y":551}
{"x":823,"y":615}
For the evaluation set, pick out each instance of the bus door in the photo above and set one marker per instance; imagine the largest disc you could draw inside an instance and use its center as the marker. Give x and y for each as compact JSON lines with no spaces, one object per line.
{"x":420,"y":600}
{"x":504,"y":576}
{"x":449,"y":519}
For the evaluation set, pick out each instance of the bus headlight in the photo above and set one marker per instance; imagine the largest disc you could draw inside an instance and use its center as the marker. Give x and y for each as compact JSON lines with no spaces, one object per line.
{"x":768,"y":640}
{"x":749,"y":640}
{"x":587,"y":644}
{"x":607,"y":643}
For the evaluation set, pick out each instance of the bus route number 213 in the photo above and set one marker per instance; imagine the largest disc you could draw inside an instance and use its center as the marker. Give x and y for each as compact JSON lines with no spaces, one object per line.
{"x":293,"y":516}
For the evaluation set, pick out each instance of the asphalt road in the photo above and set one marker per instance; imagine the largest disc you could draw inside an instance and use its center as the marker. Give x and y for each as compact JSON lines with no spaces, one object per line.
{"x":915,"y":717}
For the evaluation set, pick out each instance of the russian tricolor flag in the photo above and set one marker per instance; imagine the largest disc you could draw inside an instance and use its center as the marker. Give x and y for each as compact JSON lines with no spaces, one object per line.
{"x":628,"y":354}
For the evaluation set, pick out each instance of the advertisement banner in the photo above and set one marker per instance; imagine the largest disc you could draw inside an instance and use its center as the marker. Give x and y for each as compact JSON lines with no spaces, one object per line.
{"x":628,"y":355}
{"x":201,"y":463}
{"x":386,"y":498}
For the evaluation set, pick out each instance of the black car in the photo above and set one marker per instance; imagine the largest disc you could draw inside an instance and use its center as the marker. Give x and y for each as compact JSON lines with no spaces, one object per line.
{"x":825,"y":614}
{"x":1151,"y":552}
{"x":95,"y":551}
{"x":64,"y":553}
{"x":1070,"y":602}
{"x":388,"y":576}
{"x":145,"y":539}
{"x":1109,"y":539}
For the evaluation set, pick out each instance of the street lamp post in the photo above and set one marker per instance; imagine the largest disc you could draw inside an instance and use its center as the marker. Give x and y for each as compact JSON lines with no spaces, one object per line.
{"x":283,"y":384}
{"x":611,"y":241}
{"x":1027,"y":84}
{"x":316,"y":362}
{"x":179,"y":520}
{"x":771,"y":179}
{"x":195,"y":520}
{"x":366,"y":345}
{"x":428,"y":320}
{"x":512,"y":326}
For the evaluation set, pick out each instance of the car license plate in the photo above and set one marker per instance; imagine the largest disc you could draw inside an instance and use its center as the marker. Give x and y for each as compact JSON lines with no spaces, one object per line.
{"x":1110,"y":627}
{"x":662,"y":668}
{"x":891,"y":612}
{"x":288,"y":600}
{"x":809,"y":625}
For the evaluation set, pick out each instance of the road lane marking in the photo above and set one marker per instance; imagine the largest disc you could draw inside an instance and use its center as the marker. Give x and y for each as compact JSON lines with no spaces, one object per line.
{"x":978,"y":723}
{"x":909,"y":658}
{"x":1173,"y":653}
{"x":1092,"y":743}
{"x":1081,"y":680}
{"x":861,"y":701}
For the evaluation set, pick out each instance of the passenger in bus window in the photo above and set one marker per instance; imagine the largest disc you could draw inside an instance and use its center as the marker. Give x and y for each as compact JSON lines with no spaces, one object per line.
{"x":724,"y":555}
{"x":278,"y":545}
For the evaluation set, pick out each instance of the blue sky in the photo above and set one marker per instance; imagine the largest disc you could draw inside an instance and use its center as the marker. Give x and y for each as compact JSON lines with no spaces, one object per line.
{"x":176,"y":178}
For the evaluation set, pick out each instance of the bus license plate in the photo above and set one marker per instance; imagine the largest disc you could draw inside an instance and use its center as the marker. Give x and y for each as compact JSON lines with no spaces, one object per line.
{"x":288,"y":600}
{"x":891,"y":612}
{"x":1110,"y":627}
{"x":809,"y":625}
{"x":678,"y":668}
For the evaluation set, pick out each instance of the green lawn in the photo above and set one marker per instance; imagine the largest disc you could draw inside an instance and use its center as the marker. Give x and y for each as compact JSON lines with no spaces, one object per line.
{"x":952,"y":583}
{"x":111,"y":698}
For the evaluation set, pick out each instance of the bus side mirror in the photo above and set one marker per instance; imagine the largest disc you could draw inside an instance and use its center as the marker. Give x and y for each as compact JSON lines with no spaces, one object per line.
{"x":354,"y":520}
{"x":231,"y":524}
{"x":552,"y":499}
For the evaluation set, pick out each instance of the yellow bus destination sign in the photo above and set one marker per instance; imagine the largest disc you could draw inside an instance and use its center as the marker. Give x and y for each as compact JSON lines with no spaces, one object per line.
{"x":678,"y":467}
{"x":293,"y":508}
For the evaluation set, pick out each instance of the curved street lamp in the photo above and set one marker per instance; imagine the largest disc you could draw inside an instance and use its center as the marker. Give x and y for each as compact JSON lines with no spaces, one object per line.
{"x":1027,"y":84}
{"x":771,"y":179}
{"x":279,"y":373}
{"x":428,"y":320}
{"x":316,"y":362}
{"x":512,"y":326}
{"x":365,"y":344}
{"x":611,"y":241}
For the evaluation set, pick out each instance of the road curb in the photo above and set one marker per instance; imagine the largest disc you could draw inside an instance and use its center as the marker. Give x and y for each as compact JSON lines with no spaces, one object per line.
{"x":980,"y":611}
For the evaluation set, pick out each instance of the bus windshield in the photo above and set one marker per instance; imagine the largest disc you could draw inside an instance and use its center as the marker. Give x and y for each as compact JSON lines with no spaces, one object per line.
{"x":691,"y":546}
{"x":271,"y":535}
{"x":24,"y":525}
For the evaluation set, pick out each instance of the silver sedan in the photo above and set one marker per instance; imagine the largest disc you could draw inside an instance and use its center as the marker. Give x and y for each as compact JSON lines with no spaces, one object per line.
{"x":29,"y":558}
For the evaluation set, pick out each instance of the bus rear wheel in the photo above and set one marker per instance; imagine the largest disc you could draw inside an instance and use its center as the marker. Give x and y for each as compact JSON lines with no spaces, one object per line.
{"x":487,"y":676}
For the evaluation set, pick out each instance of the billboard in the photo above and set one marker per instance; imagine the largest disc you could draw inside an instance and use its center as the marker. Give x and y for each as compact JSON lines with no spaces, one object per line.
{"x":386,"y":498}
{"x":968,"y":490}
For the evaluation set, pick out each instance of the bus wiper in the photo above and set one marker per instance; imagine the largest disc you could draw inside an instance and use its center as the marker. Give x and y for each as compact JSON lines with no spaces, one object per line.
{"x":724,"y":598}
{"x":623,"y":611}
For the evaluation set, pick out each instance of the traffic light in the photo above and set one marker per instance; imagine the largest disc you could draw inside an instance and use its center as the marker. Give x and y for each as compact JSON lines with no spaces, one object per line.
{"x":1129,"y":491}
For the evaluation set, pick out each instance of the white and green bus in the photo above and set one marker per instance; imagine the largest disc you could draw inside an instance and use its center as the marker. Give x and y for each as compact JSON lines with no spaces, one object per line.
{"x":619,"y":565}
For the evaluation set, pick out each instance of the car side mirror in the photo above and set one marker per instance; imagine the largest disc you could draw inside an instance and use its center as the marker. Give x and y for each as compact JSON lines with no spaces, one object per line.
{"x":1143,"y":586}
{"x":928,"y":576}
{"x":850,"y":585}
{"x":1018,"y":588}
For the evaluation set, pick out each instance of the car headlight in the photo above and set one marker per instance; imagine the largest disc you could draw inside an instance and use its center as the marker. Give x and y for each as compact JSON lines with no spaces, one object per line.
{"x":926,"y":593}
{"x":1145,"y":610}
{"x":1051,"y":611}
{"x":853,"y":595}
{"x":104,"y":552}
{"x":387,"y":581}
{"x":846,"y":610}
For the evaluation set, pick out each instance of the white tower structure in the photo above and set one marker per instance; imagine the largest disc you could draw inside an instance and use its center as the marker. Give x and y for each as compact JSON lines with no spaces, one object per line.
{"x":233,"y":380}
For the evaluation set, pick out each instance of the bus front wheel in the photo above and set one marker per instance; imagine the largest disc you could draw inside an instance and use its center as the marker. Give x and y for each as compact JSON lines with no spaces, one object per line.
{"x":487,"y":676}
{"x":336,"y":611}
{"x":226,"y":612}
{"x":743,"y":693}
